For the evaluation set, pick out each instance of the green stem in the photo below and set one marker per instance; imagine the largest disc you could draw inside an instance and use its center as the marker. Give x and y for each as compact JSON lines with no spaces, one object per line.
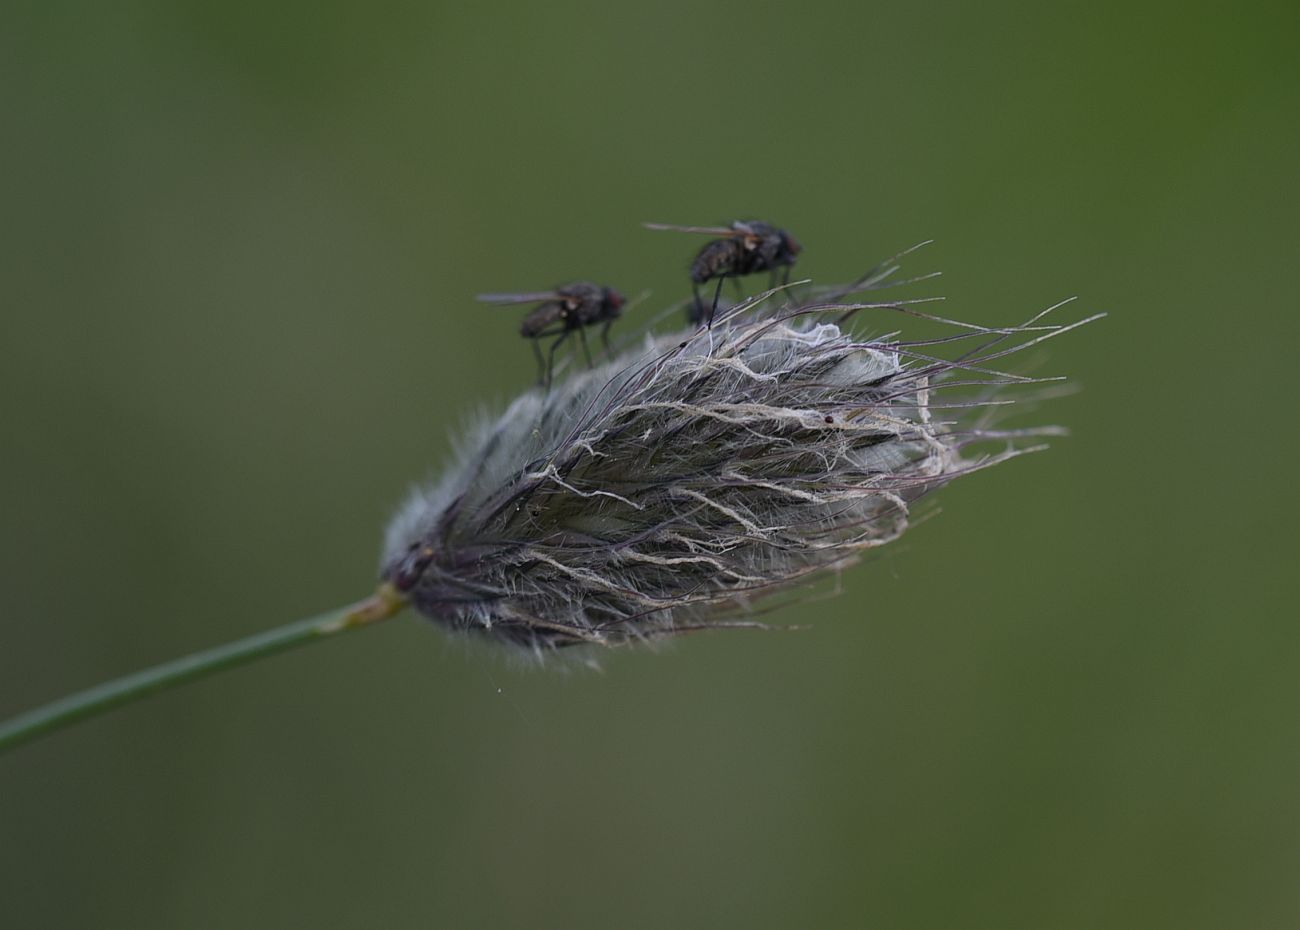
{"x":93,"y":701}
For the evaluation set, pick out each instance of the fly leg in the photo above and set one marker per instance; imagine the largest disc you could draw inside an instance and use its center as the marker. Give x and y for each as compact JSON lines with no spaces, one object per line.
{"x":550,"y":358}
{"x":604,"y":338}
{"x":716,"y":294}
{"x":543,"y":370}
{"x":541,"y":363}
{"x":582,"y":337}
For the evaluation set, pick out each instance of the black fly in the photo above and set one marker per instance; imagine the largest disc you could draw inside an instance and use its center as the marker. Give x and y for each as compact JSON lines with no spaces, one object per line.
{"x":559,"y":313}
{"x":745,"y":247}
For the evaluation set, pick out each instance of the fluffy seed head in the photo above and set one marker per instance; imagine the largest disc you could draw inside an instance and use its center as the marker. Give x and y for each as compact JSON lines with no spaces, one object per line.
{"x":672,"y":487}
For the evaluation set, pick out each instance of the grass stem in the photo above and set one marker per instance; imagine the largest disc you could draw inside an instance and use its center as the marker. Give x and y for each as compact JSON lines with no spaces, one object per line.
{"x":384,"y":603}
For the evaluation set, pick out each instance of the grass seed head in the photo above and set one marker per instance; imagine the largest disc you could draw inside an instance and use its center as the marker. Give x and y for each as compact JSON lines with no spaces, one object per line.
{"x":674,"y":486}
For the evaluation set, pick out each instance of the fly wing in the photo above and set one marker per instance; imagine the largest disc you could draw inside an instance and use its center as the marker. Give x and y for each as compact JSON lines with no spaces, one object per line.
{"x":706,"y":230}
{"x":532,"y":298}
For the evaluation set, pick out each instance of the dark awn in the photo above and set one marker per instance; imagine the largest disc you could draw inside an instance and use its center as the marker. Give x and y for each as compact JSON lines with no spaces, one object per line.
{"x":743,"y":248}
{"x":561,"y":312}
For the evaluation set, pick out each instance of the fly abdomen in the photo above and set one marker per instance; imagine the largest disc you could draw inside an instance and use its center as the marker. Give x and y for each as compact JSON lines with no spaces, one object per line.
{"x":541,"y":319}
{"x":716,"y":258}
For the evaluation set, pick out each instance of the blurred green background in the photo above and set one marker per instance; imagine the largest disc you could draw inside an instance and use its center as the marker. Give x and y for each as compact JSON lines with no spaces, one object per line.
{"x":238,"y":251}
